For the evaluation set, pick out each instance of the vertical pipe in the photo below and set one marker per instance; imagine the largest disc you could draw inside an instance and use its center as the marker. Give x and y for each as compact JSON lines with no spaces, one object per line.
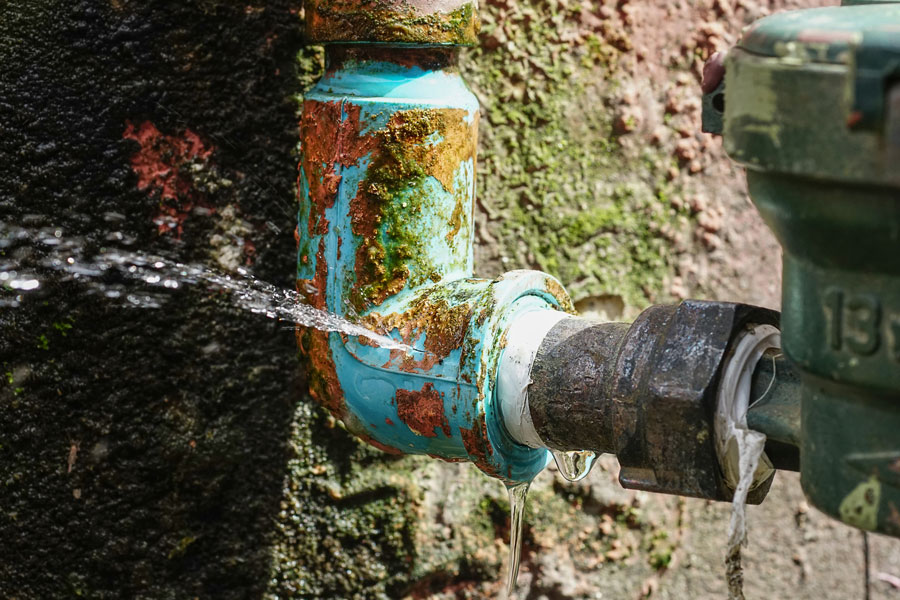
{"x":387,"y":190}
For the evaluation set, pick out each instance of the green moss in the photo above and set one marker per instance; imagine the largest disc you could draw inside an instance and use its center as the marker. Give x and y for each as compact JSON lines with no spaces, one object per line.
{"x":399,"y":184}
{"x":347,"y":516}
{"x":660,"y":551}
{"x":563,"y":197}
{"x":62,"y":328}
{"x":182,"y":546}
{"x":561,"y":193}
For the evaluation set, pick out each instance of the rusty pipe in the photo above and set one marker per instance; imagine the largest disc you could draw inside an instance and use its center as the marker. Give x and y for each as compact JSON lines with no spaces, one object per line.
{"x":645,"y":392}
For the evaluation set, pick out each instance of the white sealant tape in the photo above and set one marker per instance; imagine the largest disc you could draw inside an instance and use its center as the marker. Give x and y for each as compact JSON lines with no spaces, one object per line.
{"x":740,"y":449}
{"x":523,"y":339}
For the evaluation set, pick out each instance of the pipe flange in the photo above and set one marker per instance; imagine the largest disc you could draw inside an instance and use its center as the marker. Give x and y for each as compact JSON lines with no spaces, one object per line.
{"x":449,"y":22}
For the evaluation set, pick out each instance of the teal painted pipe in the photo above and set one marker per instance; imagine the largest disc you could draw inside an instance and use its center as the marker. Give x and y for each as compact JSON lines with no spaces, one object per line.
{"x":385,"y":236}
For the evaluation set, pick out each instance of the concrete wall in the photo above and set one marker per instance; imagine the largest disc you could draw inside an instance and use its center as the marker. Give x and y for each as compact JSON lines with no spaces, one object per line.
{"x":173,"y":453}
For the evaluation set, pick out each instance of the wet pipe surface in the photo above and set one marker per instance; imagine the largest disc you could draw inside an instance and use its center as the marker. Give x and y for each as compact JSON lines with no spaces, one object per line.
{"x":385,"y":237}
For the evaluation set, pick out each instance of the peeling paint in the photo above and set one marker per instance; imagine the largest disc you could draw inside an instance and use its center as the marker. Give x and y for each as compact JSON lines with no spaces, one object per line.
{"x":387,"y":199}
{"x":393,"y":193}
{"x":860,"y":507}
{"x":423,"y":411}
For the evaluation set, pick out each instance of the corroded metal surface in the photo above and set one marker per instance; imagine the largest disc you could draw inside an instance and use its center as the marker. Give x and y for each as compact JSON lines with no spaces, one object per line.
{"x":396,"y":21}
{"x":826,"y":181}
{"x":386,"y":237}
{"x":645,"y":392}
{"x":840,"y":60}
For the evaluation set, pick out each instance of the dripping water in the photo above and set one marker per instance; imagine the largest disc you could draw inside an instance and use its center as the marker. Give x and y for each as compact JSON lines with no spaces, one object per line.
{"x":518,"y":493}
{"x":751,"y":446}
{"x":48,"y":252}
{"x":574,"y":464}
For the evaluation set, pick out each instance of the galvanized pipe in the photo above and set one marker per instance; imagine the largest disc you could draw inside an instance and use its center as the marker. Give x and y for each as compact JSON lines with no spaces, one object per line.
{"x":645,"y":392}
{"x":775,"y":404}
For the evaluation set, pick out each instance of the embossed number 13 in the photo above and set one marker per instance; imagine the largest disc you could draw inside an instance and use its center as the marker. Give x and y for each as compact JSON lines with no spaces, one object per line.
{"x":855,"y":321}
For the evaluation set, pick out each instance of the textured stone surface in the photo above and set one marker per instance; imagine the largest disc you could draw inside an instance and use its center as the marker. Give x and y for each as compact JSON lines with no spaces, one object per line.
{"x":172,"y":453}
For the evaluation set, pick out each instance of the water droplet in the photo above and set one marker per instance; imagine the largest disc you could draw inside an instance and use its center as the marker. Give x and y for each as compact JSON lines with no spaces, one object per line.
{"x":24,"y":284}
{"x":518,"y":493}
{"x":574,"y":465}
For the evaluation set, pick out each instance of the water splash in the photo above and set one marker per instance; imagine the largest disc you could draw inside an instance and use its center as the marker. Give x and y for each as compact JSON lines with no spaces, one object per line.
{"x":66,"y":259}
{"x":518,"y":494}
{"x":575,"y":464}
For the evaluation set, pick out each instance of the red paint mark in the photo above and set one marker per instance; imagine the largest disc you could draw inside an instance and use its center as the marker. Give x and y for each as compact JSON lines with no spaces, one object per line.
{"x":162,"y":166}
{"x":423,"y":411}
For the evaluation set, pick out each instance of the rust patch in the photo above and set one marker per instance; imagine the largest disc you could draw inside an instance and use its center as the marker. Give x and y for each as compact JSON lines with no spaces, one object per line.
{"x":431,"y":22}
{"x":162,"y":165}
{"x":388,"y":421}
{"x":423,"y":411}
{"x":444,"y":327}
{"x":329,"y":131}
{"x":456,"y":219}
{"x":427,"y":59}
{"x":556,"y":290}
{"x":477,"y":445}
{"x":324,"y":385}
{"x":330,"y":138}
{"x":413,"y":145}
{"x":372,"y":442}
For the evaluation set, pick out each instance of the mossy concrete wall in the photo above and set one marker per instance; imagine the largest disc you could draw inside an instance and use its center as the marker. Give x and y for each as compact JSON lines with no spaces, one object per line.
{"x":174,"y":453}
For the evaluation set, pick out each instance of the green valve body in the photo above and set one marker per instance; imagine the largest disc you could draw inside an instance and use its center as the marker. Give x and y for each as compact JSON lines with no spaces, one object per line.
{"x":812,"y":109}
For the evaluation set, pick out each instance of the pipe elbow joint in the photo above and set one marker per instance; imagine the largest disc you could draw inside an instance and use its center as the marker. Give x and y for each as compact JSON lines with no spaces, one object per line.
{"x":440,"y":398}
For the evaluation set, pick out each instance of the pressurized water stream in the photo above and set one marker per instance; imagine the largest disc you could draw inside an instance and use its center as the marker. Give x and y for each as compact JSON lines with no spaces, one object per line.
{"x":66,"y":259}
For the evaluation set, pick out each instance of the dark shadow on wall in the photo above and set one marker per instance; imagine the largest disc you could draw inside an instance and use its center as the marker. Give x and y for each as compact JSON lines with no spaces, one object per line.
{"x":143,"y":452}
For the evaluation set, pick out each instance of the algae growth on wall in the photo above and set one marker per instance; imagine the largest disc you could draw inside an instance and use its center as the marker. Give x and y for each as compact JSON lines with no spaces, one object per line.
{"x":179,"y":457}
